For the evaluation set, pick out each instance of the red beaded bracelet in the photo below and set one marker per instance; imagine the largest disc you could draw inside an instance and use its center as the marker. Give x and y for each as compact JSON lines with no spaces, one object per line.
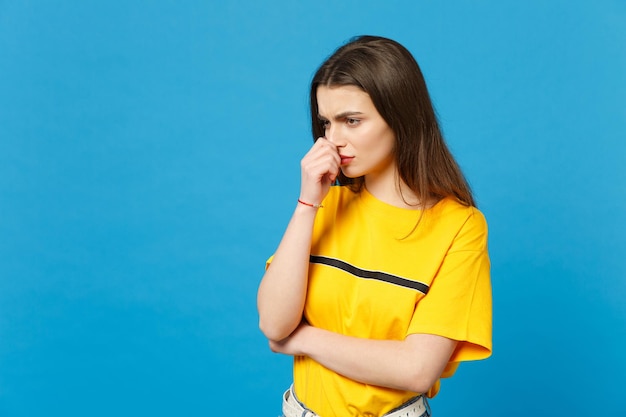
{"x":309,"y":204}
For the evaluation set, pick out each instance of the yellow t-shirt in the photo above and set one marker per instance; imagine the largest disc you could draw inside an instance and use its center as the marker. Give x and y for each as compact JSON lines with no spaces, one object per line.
{"x":371,"y":277}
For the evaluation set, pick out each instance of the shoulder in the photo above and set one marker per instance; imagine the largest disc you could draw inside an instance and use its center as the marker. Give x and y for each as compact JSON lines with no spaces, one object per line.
{"x":451,"y":210}
{"x":465,"y":224}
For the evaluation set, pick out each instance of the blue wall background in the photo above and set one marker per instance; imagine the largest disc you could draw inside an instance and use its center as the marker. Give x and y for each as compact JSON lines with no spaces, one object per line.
{"x":149,"y":161}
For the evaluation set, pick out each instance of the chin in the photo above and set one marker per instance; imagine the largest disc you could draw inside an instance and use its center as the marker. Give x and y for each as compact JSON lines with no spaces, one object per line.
{"x":352,"y":174}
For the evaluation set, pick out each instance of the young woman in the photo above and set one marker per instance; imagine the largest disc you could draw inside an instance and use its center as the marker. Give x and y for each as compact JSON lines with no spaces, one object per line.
{"x":380,"y":285}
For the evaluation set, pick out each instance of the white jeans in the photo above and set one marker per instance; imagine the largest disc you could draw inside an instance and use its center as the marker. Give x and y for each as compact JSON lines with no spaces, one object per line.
{"x":415,"y":407}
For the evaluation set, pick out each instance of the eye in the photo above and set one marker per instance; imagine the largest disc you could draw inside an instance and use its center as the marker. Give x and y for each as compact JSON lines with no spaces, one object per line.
{"x":352,"y":122}
{"x":324,"y":124}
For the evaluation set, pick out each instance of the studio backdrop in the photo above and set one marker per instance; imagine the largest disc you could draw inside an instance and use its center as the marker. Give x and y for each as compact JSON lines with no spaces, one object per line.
{"x":149,"y":163}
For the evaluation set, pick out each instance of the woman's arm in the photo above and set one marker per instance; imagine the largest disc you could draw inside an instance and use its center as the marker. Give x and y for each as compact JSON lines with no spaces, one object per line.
{"x":282,"y":292}
{"x":413,"y":364}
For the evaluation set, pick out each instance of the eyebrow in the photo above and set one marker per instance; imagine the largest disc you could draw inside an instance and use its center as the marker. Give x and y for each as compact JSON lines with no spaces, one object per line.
{"x":342,"y":115}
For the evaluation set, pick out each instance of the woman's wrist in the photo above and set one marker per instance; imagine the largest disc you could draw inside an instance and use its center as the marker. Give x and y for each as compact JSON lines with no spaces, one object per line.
{"x":306,"y":211}
{"x":308,"y":204}
{"x":304,"y":339}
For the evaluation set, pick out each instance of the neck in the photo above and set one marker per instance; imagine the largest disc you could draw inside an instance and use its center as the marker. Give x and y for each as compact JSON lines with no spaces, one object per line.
{"x":393,"y":191}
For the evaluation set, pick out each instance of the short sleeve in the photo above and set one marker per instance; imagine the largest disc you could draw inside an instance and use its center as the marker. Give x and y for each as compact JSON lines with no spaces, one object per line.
{"x":458,"y":305}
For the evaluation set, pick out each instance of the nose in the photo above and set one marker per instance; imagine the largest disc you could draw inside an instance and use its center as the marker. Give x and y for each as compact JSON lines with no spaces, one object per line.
{"x":334,"y":136}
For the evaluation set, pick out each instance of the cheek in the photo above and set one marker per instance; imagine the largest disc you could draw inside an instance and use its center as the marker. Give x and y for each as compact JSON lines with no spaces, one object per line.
{"x":388,"y":141}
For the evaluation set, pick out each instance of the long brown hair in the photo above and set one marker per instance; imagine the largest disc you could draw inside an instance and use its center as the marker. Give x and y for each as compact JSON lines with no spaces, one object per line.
{"x":388,"y":72}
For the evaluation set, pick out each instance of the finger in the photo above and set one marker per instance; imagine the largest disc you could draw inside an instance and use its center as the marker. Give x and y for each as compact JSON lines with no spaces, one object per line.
{"x":323,"y":143}
{"x":320,"y":165}
{"x":320,"y":154}
{"x":324,"y":147}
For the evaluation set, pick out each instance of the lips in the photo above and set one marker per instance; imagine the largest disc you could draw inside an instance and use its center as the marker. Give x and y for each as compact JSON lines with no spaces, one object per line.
{"x":346,"y":159}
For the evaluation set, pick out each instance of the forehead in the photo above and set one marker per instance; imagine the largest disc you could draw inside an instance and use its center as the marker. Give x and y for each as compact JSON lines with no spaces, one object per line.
{"x":339,"y":99}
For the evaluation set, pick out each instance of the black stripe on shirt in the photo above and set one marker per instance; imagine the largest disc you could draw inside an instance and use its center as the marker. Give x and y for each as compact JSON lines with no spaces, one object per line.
{"x":363,"y":273}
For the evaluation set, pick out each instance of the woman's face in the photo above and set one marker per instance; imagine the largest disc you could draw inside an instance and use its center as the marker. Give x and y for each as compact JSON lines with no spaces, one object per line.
{"x":364,"y":140}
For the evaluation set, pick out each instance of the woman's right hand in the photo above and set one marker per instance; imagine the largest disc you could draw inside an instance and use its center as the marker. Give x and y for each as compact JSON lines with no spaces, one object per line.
{"x":320,"y":167}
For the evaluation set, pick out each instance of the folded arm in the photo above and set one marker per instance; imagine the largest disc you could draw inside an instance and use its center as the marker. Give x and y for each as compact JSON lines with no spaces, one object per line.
{"x":413,"y":364}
